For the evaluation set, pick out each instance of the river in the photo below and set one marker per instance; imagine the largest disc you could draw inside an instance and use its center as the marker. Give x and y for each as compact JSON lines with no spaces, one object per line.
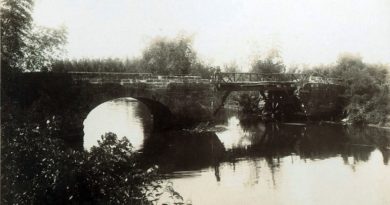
{"x":243,"y":161}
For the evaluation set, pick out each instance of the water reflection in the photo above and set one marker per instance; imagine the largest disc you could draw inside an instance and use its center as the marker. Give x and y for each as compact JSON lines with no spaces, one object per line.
{"x":309,"y":141}
{"x":183,"y":150}
{"x":244,"y":161}
{"x":124,"y":117}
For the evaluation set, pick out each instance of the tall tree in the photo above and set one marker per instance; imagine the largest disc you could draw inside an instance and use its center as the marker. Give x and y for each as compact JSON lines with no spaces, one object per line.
{"x":165,"y":57}
{"x":25,"y":47}
{"x":16,"y":23}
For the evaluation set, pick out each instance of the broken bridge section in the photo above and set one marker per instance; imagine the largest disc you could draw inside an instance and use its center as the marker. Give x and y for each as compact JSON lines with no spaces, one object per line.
{"x":285,"y":94}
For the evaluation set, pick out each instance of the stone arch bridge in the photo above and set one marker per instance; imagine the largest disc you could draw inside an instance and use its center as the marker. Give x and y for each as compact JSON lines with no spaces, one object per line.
{"x":173,"y":100}
{"x":176,"y":99}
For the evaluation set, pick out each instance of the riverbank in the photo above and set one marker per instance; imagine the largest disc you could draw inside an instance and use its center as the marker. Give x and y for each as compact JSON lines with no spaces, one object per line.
{"x":386,"y":127}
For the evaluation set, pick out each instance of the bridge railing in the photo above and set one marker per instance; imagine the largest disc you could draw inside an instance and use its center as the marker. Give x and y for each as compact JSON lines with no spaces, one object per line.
{"x":129,"y":78}
{"x":272,"y":77}
{"x":176,"y":79}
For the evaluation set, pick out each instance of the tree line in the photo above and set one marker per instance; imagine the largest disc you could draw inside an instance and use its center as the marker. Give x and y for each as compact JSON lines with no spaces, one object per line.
{"x":162,"y":57}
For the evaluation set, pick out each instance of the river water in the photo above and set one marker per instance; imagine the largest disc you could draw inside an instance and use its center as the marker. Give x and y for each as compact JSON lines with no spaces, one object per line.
{"x":243,"y":161}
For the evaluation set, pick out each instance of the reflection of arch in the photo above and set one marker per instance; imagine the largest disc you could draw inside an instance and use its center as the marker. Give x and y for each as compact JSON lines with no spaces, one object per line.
{"x":162,"y":116}
{"x":183,"y":150}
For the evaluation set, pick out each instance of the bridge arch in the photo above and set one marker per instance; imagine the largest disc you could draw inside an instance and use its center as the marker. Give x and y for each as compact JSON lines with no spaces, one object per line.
{"x":161,"y":114}
{"x":125,"y":117}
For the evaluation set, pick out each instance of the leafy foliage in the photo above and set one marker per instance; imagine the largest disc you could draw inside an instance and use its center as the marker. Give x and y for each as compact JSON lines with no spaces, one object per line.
{"x":44,"y":46}
{"x":37,"y":168}
{"x":25,"y":47}
{"x":173,"y":57}
{"x":16,"y":23}
{"x":114,"y":174}
{"x":169,"y":57}
{"x":30,"y":163}
{"x":367,"y":88}
{"x":231,"y":68}
{"x":271,"y":64}
{"x":98,"y":65}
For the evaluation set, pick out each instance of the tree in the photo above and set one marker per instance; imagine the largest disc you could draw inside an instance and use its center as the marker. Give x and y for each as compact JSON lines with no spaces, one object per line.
{"x":24,"y":46}
{"x":169,"y":57}
{"x":271,"y":64}
{"x":231,"y":67}
{"x":366,"y":88}
{"x":16,"y":23}
{"x":44,"y":46}
{"x":367,"y":91}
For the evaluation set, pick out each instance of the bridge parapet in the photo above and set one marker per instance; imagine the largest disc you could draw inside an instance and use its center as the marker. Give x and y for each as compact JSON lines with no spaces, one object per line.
{"x":256,"y":77}
{"x":108,"y":77}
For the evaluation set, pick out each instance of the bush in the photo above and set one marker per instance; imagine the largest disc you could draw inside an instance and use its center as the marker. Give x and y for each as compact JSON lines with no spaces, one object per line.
{"x":366,"y":91}
{"x":39,"y":169}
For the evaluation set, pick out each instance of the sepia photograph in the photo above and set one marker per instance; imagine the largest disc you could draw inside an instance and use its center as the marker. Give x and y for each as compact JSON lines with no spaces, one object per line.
{"x":194,"y":102}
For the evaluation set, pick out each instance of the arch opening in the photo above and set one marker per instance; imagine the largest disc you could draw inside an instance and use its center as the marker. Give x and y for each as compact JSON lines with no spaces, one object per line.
{"x":131,"y":117}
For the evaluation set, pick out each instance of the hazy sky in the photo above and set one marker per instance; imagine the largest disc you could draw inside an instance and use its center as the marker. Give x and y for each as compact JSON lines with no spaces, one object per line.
{"x":224,"y":31}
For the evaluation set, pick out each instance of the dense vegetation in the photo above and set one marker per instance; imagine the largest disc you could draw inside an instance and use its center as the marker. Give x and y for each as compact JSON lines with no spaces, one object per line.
{"x":37,"y":168}
{"x":272,"y":63}
{"x":367,"y":88}
{"x":162,"y":57}
{"x":25,"y":46}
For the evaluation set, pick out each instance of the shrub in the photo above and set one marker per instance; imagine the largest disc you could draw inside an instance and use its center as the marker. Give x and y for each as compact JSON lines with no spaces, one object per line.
{"x":39,"y":169}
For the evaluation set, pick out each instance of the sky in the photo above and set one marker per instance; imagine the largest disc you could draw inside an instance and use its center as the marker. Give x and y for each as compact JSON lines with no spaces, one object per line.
{"x":307,"y":32}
